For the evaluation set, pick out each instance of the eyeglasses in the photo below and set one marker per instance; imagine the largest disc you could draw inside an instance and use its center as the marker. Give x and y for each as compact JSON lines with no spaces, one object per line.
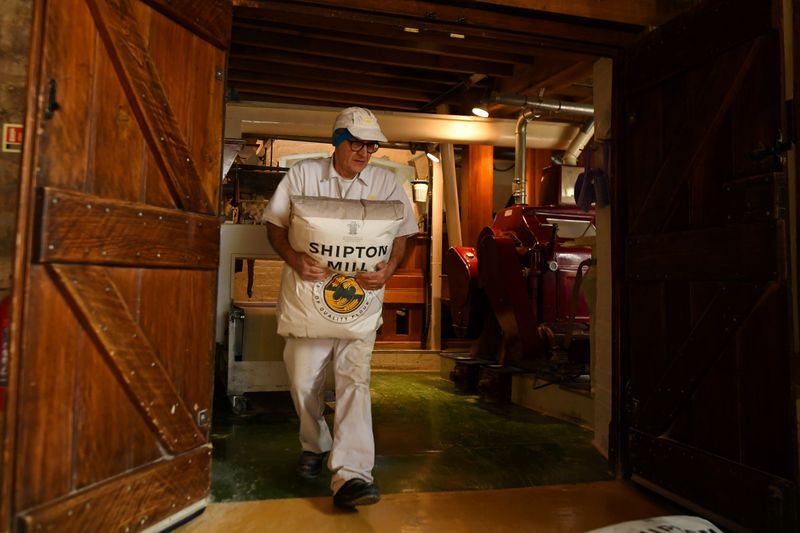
{"x":372,"y":147}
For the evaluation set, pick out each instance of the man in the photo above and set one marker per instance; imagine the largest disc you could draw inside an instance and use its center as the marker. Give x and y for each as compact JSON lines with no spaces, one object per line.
{"x":356,"y":136}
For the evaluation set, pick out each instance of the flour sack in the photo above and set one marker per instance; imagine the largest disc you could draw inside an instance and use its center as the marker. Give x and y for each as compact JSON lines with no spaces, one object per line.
{"x":347,"y":236}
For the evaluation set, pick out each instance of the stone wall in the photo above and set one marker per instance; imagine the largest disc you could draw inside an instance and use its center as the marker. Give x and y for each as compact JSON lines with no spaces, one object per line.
{"x":15,"y":22}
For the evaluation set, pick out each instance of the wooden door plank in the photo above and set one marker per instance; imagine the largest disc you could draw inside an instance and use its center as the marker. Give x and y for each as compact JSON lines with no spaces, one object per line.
{"x":83,"y":228}
{"x":128,"y":503}
{"x":125,"y":44}
{"x":130,"y":354}
{"x":129,"y":282}
{"x":104,"y":408}
{"x":68,"y":63}
{"x":208,"y":20}
{"x":699,"y":125}
{"x":196,"y":90}
{"x":116,"y":164}
{"x":188,"y":358}
{"x":763,"y":443}
{"x":43,"y":451}
{"x":692,"y":39}
{"x":732,"y":252}
{"x":763,"y":493}
{"x":707,"y":339}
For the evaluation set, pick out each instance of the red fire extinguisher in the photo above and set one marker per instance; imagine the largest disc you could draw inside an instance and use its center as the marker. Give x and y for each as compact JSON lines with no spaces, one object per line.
{"x":5,"y":325}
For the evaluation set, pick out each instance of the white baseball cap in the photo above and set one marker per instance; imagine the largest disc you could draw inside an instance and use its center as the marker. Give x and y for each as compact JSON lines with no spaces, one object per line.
{"x":361,"y":124}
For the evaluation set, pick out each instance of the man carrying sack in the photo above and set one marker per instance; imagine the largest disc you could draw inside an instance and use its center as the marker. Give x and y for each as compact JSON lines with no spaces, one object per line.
{"x":336,"y":280}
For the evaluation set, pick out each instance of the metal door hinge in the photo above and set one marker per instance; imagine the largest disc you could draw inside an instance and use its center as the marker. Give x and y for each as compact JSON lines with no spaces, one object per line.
{"x":780,"y":195}
{"x":630,"y":403}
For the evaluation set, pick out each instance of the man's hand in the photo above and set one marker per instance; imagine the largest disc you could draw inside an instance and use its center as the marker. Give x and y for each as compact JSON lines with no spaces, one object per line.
{"x":306,"y":267}
{"x":373,"y":281}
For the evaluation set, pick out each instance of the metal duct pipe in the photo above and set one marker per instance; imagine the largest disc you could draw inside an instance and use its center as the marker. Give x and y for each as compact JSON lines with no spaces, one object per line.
{"x":434,"y":341}
{"x":451,"y":194}
{"x":530,"y":107}
{"x":305,"y":122}
{"x":541,"y":104}
{"x":579,"y":143}
{"x":520,"y":134}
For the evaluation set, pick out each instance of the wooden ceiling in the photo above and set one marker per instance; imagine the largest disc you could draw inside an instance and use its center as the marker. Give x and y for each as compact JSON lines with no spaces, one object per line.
{"x":428,"y":56}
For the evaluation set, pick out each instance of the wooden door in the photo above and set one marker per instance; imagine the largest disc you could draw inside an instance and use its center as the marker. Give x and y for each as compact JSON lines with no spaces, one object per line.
{"x":117,"y":265}
{"x":705,"y":336}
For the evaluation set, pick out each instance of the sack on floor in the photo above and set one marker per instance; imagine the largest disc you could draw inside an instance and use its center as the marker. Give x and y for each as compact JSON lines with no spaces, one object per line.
{"x":673,"y":524}
{"x":347,"y":236}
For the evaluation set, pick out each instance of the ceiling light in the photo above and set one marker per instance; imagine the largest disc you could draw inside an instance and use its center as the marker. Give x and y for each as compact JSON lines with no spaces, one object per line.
{"x":480,"y":111}
{"x":420,"y":189}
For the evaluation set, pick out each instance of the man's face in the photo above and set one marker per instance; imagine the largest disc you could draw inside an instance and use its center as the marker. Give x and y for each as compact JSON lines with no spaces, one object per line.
{"x":349,"y":162}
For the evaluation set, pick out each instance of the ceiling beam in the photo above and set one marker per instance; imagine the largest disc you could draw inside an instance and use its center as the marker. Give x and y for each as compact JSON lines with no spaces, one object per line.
{"x":456,"y":47}
{"x":639,"y":13}
{"x":407,"y":92}
{"x":408,"y":33}
{"x":575,"y":33}
{"x":373,"y":54}
{"x":260,"y":68}
{"x":274,"y":93}
{"x":252,"y":53}
{"x":552,"y":77}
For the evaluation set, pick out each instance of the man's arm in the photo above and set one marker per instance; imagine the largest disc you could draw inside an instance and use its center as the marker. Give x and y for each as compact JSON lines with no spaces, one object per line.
{"x":305,"y":266}
{"x":385,"y":269}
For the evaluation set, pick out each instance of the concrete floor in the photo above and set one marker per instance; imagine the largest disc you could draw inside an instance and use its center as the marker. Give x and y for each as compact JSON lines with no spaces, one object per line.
{"x":428,"y":438}
{"x":445,"y":461}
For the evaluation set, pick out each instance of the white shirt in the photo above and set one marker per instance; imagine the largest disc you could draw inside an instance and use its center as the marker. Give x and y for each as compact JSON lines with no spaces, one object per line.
{"x":318,"y":177}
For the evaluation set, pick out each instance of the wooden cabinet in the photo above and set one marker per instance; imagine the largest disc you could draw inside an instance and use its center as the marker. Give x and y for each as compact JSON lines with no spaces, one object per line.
{"x":405,"y":299}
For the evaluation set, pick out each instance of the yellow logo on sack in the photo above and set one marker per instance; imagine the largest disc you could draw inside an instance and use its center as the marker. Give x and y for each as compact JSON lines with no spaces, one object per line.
{"x":341,"y":298}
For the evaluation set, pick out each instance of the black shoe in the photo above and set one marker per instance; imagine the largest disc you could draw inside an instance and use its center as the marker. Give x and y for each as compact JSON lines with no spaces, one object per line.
{"x":356,"y":492}
{"x":310,"y":464}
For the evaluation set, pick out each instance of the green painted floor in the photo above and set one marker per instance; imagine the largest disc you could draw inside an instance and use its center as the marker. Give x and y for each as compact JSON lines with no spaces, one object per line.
{"x":428,"y":437}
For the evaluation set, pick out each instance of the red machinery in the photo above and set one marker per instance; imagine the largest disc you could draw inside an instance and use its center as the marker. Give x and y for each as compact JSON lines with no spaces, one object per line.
{"x":527,"y":267}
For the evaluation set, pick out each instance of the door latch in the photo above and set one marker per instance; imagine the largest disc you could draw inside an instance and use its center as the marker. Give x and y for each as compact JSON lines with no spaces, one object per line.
{"x":778,"y":147}
{"x":52,"y":103}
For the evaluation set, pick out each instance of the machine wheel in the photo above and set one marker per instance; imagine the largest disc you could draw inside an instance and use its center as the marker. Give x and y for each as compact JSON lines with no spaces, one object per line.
{"x":238,"y":404}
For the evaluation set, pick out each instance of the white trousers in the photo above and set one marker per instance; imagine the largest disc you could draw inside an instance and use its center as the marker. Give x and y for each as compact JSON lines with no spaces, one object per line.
{"x":352,"y":448}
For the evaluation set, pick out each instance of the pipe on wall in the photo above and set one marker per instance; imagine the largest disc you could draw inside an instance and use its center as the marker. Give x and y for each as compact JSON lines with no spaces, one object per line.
{"x":451,"y":206}
{"x":435,"y":326}
{"x":577,"y":145}
{"x":520,"y":187}
{"x":542,"y":105}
